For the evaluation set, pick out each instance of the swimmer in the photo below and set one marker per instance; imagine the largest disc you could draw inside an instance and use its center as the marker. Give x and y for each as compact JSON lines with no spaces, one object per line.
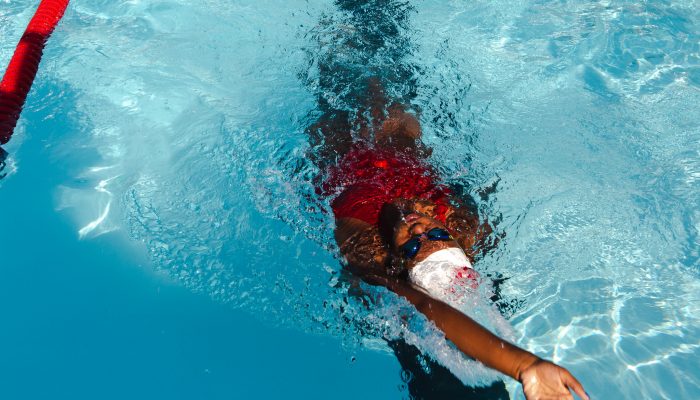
{"x":398,"y":227}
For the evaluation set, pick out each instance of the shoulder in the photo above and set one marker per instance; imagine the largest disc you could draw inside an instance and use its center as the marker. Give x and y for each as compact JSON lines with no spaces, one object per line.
{"x":347,"y":227}
{"x":361,"y":245}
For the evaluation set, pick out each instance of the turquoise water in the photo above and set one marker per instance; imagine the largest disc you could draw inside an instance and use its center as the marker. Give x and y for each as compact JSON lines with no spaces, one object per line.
{"x":162,"y":237}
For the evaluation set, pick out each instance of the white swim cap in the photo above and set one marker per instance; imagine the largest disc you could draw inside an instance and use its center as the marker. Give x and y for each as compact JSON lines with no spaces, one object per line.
{"x":442,"y":271}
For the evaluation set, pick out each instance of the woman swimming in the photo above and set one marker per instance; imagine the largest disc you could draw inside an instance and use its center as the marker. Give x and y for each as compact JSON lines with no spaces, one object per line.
{"x":398,"y":227}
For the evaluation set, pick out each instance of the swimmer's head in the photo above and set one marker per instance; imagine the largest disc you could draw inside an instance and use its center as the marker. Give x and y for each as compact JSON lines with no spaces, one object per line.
{"x":399,"y":226}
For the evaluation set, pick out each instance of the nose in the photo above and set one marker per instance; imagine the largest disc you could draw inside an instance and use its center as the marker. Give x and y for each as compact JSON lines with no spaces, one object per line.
{"x":417,"y":229}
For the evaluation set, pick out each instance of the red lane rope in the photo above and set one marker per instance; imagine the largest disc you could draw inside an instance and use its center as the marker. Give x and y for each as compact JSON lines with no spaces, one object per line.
{"x":24,"y":64}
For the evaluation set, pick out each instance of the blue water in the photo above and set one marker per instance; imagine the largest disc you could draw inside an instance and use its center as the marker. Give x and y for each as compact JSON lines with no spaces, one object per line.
{"x":159,"y":238}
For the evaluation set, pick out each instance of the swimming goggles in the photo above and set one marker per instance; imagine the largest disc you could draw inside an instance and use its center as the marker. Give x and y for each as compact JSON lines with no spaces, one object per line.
{"x":412,"y":246}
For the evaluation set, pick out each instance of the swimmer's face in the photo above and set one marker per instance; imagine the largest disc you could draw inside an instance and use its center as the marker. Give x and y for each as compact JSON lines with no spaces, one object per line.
{"x":415,"y":224}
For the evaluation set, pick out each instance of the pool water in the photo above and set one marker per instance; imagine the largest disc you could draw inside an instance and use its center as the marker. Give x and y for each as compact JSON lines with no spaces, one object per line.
{"x":162,"y":235}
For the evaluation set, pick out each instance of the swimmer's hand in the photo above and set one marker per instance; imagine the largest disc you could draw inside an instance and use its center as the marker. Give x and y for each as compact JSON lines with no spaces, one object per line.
{"x":545,"y":380}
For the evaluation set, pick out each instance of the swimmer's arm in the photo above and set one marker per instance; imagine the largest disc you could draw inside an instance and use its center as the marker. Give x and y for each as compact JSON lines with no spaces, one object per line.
{"x":539,"y":377}
{"x":468,"y":335}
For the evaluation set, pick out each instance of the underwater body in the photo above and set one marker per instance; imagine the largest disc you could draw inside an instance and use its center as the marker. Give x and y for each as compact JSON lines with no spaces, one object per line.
{"x":165,"y":147}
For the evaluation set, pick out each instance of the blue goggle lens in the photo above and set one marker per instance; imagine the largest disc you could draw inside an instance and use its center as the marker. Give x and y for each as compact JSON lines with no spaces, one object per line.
{"x":412,"y":246}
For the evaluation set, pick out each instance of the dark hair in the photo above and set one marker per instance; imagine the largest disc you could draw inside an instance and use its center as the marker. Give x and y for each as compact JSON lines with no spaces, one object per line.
{"x":389,"y":216}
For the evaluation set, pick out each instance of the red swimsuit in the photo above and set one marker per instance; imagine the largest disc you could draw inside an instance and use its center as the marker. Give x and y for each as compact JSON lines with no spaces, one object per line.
{"x":367,"y":177}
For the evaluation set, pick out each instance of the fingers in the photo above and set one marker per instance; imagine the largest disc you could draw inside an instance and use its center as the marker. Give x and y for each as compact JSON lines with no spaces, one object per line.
{"x":572,"y":383}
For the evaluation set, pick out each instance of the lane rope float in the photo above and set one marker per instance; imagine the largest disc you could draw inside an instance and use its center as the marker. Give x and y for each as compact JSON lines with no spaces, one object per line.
{"x":20,"y":73}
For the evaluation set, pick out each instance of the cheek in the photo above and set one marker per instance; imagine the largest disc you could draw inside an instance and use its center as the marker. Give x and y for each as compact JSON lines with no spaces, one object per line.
{"x":398,"y":241}
{"x":400,"y":236}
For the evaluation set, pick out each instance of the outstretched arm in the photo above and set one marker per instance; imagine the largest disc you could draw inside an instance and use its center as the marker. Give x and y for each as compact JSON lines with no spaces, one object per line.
{"x":540,"y":378}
